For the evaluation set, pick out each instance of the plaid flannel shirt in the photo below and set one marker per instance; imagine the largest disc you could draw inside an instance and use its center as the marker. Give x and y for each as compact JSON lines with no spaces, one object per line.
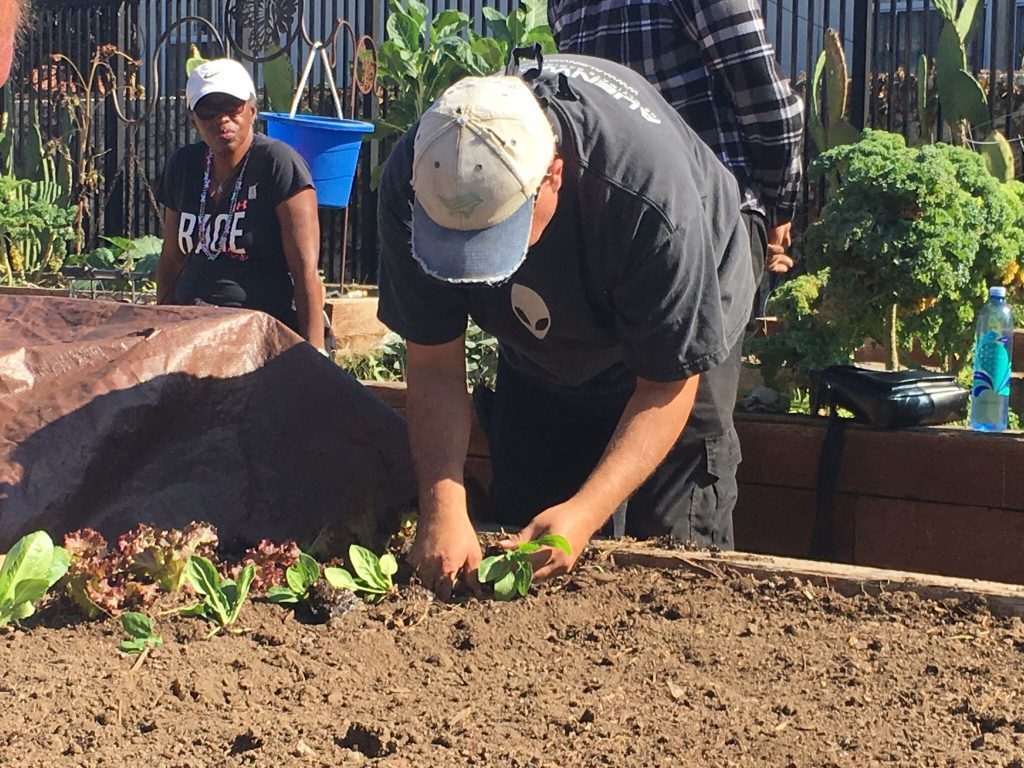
{"x":712,"y":62}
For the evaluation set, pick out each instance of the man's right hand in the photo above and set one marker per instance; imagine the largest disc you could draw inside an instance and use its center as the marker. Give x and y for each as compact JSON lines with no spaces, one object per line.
{"x":445,"y":551}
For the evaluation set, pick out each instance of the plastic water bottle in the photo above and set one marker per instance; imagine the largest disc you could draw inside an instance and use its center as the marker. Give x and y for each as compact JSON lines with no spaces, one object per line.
{"x":990,"y":390}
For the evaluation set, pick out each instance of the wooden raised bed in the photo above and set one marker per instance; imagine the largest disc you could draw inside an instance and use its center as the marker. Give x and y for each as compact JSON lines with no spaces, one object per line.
{"x":932,"y":500}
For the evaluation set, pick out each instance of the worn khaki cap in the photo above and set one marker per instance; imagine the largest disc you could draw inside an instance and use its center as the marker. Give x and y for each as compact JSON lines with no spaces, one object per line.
{"x":480,"y":155}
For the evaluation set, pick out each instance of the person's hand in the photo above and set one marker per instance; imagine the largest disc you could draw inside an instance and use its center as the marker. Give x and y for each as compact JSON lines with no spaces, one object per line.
{"x":779,"y":241}
{"x":446,"y":549}
{"x":565,"y":520}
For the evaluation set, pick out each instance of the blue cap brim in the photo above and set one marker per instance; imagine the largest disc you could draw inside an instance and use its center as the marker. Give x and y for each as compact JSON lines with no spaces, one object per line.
{"x":476,"y":256}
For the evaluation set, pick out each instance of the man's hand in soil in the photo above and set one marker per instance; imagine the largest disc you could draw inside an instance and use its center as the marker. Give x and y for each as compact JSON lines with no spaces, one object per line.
{"x":445,"y":551}
{"x":567,"y":520}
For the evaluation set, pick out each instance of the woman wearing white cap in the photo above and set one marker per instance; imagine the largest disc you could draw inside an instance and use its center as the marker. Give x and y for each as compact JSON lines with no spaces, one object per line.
{"x":241,"y":226}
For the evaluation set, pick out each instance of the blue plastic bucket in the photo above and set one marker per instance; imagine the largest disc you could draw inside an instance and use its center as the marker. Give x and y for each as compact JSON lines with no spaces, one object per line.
{"x":330,"y":147}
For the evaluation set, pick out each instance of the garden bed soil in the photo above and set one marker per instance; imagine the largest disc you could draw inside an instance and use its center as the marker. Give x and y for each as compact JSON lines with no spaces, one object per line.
{"x":614,"y":666}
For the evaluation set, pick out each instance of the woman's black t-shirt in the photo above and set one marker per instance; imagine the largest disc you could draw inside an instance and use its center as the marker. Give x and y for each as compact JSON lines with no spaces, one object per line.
{"x":251,"y":270}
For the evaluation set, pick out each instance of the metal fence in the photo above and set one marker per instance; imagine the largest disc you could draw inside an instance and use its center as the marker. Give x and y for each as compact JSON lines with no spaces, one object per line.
{"x":883,"y":40}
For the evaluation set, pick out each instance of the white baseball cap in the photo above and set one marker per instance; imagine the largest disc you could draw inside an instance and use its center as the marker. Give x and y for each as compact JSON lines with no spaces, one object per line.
{"x":480,"y":155}
{"x":219,"y":76}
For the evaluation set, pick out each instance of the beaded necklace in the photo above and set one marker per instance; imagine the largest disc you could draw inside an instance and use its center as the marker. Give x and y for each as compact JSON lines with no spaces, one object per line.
{"x":211,"y":249}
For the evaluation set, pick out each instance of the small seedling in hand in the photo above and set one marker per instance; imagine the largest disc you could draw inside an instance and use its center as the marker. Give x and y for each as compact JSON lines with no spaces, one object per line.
{"x":27,"y":572}
{"x":220,"y":599}
{"x":372,"y":577}
{"x":139,"y":628}
{"x":512,"y":571}
{"x":299,"y":578}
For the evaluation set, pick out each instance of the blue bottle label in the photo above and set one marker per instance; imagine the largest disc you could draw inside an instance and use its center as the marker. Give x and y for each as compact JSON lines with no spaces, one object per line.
{"x":992,"y":365}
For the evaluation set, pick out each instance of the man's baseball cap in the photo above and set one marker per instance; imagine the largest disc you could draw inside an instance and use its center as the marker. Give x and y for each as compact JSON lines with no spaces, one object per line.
{"x":480,"y":155}
{"x":219,"y":76}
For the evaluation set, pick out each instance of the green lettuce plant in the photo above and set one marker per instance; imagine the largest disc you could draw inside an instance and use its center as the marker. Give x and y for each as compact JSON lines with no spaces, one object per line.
{"x":220,"y":600}
{"x":27,"y":572}
{"x":512,"y":572}
{"x":372,"y":577}
{"x":298,"y":579}
{"x":139,"y":628}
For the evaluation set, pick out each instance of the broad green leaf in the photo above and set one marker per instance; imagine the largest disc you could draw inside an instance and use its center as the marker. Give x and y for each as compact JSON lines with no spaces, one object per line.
{"x":282,"y":595}
{"x":23,"y":610}
{"x":448,"y":23}
{"x":196,"y":609}
{"x":339,"y":578}
{"x":29,"y":591}
{"x":135,"y":645}
{"x":388,"y":564}
{"x":242,"y":592}
{"x":202,"y":575}
{"x":366,"y":566}
{"x":556,"y":541}
{"x":28,"y":559}
{"x":58,"y":565}
{"x":418,"y":11}
{"x":505,"y":587}
{"x":528,"y":547}
{"x":303,"y":574}
{"x":536,"y":13}
{"x":137,"y":624}
{"x":524,"y":578}
{"x":494,"y":568}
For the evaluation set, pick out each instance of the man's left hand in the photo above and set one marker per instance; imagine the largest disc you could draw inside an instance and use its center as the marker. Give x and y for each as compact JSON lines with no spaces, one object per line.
{"x":566,"y":520}
{"x":780,"y":240}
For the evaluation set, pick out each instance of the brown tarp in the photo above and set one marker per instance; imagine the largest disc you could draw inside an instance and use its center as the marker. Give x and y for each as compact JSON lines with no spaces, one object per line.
{"x":113,"y":414}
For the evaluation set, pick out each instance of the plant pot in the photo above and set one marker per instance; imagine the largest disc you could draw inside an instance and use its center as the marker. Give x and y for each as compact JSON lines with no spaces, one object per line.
{"x":330,"y":147}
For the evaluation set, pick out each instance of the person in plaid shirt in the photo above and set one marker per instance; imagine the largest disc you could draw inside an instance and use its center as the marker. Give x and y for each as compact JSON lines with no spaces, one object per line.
{"x":713,"y":63}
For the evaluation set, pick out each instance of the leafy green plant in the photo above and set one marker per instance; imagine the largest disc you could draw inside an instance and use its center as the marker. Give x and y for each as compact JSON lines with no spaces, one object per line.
{"x":387,"y":361}
{"x":422,"y":56}
{"x":220,"y":599}
{"x":298,"y":579}
{"x":904,"y":251}
{"x":163,"y":555}
{"x":35,"y":228}
{"x":139,"y":628}
{"x":27,"y":572}
{"x":512,"y":572}
{"x":373,"y":575}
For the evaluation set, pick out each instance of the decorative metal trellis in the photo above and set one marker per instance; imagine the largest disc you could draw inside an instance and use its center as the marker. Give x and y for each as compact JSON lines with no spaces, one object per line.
{"x":128,"y":140}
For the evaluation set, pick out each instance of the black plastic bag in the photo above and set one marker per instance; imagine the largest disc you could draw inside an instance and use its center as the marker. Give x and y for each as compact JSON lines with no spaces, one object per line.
{"x":891,"y":399}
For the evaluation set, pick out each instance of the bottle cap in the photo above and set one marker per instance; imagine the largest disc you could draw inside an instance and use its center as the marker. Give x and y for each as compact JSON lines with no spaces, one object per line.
{"x":997,"y":292}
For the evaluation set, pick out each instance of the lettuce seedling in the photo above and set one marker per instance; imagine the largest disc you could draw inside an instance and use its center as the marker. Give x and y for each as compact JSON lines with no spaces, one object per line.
{"x":299,"y":578}
{"x":512,"y":571}
{"x":139,"y":628}
{"x":162,"y":556}
{"x":27,"y":572}
{"x":220,"y":599}
{"x":372,"y":574}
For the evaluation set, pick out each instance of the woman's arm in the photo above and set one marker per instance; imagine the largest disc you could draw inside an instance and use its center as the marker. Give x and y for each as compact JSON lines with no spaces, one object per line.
{"x":300,"y":234}
{"x":172,"y":261}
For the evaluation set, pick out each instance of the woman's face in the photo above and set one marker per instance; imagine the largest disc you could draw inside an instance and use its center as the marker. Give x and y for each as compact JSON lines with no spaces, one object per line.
{"x":224,"y":122}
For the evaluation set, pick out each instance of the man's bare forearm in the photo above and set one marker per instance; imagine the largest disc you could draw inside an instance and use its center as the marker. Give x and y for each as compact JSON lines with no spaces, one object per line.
{"x":651,"y":423}
{"x":438,"y":412}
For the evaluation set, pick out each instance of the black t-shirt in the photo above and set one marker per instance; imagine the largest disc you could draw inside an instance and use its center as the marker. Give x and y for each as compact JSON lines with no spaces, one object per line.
{"x":251,"y":272}
{"x":643,"y":271}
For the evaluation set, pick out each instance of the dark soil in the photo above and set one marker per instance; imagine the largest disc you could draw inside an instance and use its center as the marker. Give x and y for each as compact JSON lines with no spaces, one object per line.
{"x":610,"y":668}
